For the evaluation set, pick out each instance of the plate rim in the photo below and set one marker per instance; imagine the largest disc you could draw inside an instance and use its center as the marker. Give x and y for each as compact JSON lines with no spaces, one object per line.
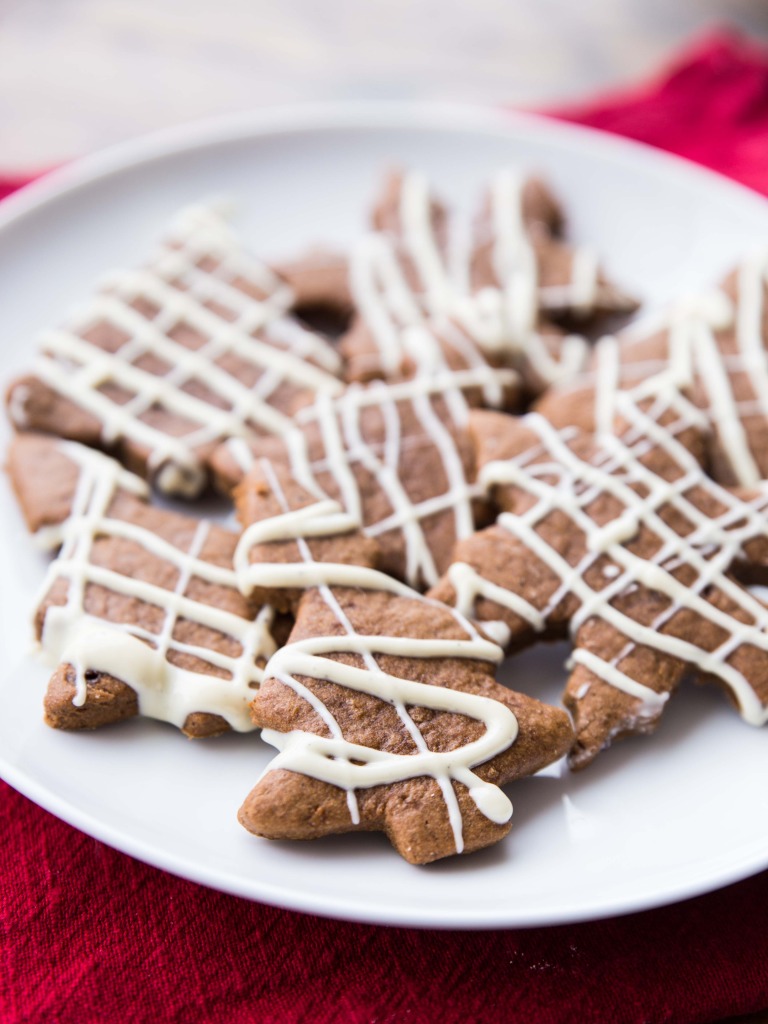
{"x":334,"y":907}
{"x":210,"y":133}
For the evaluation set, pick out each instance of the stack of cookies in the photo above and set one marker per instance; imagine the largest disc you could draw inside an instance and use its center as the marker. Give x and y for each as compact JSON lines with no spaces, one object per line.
{"x":432,"y":467}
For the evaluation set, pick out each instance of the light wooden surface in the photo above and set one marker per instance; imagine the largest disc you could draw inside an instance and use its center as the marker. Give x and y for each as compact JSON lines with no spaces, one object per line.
{"x":76,"y":75}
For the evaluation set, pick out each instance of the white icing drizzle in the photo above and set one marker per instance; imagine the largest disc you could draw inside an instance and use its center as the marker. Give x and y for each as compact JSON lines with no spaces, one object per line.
{"x":514,"y":257}
{"x":202,"y":230}
{"x":334,"y":759}
{"x":345,"y":448}
{"x":421,"y":243}
{"x":500,"y":318}
{"x":17,"y":406}
{"x":130,"y":652}
{"x":565,"y":482}
{"x":213,"y":305}
{"x":584,"y":281}
{"x":512,"y":251}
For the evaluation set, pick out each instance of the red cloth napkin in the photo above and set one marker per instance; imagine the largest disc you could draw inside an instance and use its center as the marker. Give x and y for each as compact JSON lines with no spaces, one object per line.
{"x":91,"y":935}
{"x":709,"y":105}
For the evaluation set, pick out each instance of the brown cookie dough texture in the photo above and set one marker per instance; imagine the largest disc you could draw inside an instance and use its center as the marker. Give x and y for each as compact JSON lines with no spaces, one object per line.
{"x":166,"y":361}
{"x":715,"y":347}
{"x":350,"y":618}
{"x":268,"y":492}
{"x":423,"y":294}
{"x":319,"y":281}
{"x":625,"y":544}
{"x":130,"y":573}
{"x":397,"y":457}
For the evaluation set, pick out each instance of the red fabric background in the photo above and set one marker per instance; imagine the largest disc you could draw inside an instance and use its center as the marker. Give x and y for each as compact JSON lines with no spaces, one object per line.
{"x":90,"y":935}
{"x":709,"y":105}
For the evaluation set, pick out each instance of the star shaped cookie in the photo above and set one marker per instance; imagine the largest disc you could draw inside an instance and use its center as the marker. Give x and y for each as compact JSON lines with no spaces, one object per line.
{"x":495,"y":290}
{"x":382,"y":703}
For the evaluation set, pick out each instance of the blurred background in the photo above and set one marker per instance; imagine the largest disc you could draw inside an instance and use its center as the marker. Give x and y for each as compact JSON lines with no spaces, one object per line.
{"x":76,"y":75}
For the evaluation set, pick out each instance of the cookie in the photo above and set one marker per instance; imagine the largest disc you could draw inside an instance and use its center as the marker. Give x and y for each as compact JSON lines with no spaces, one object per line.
{"x":397,"y":456}
{"x":164,"y":362}
{"x":419,"y":270}
{"x":382,"y":704}
{"x":626,"y":545}
{"x":716,"y":348}
{"x":140,"y":611}
{"x":405,"y":276}
{"x":519,"y":240}
{"x":331,"y":536}
{"x":319,"y":283}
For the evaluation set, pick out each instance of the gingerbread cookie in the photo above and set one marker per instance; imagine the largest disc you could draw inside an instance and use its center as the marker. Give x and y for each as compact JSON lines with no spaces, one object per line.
{"x":140,"y":610}
{"x":165,"y":362}
{"x":482,"y":294}
{"x":519,"y":242}
{"x":406,"y":282}
{"x":715,"y":346}
{"x":624,"y":543}
{"x":382,"y":704}
{"x":398,"y":458}
{"x":319,"y":282}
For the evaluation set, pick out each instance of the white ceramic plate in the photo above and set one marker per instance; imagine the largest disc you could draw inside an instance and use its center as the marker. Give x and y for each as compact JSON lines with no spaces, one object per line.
{"x":654,"y":820}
